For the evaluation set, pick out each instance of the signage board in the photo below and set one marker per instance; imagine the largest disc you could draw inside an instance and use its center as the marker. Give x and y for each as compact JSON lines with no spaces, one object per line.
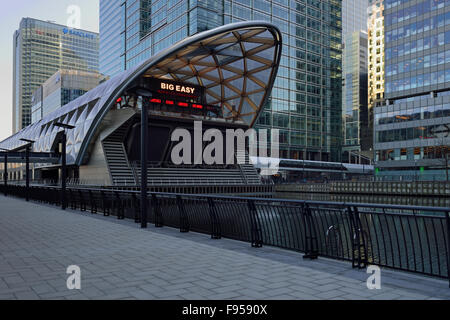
{"x":182,"y":91}
{"x":78,"y":33}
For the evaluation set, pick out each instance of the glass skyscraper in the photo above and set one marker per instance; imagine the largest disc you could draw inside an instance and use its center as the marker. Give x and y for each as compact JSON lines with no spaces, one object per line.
{"x":412,"y":135}
{"x":112,"y":45}
{"x":357,"y":137}
{"x":40,"y":49}
{"x":354,"y":16}
{"x":376,"y":59}
{"x":306,"y":100}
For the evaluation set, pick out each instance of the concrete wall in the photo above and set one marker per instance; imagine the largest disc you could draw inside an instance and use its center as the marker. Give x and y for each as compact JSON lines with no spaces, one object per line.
{"x":96,"y":170}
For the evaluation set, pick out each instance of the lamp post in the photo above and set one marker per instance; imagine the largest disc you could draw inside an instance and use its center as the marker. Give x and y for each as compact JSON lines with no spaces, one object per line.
{"x":63,"y":162}
{"x":446,"y":165}
{"x":445,"y":148}
{"x":145,"y":98}
{"x":415,"y":170}
{"x":5,"y":171}
{"x":144,"y":138}
{"x":27,"y":166}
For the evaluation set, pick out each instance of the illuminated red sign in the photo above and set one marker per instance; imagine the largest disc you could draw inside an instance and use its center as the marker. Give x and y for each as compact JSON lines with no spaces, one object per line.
{"x":176,"y":106}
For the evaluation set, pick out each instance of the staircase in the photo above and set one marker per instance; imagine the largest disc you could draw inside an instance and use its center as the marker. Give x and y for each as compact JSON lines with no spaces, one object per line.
{"x":191,"y":176}
{"x":116,"y":157}
{"x":124,"y":173}
{"x":249,"y":172}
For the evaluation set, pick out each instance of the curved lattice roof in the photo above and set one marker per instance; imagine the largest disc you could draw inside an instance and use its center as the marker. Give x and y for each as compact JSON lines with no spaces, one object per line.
{"x":236,"y":63}
{"x":235,"y":67}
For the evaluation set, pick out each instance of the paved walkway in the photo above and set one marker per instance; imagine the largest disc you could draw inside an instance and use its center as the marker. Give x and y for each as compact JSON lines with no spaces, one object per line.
{"x":118,"y":260}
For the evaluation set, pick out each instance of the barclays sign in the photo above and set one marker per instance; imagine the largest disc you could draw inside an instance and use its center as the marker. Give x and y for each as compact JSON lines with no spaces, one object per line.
{"x":78,"y":33}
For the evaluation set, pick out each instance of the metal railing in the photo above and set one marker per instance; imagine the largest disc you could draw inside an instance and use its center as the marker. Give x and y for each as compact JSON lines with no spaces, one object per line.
{"x":184,"y":182}
{"x":409,"y":238}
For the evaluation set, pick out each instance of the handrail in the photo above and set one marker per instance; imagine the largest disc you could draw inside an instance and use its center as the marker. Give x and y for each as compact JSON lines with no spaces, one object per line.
{"x":290,"y":201}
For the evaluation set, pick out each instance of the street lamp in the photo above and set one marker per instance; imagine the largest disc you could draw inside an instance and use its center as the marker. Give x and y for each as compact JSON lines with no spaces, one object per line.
{"x":63,"y":161}
{"x":5,"y":171}
{"x":27,"y":166}
{"x":145,"y":96}
{"x":415,"y":170}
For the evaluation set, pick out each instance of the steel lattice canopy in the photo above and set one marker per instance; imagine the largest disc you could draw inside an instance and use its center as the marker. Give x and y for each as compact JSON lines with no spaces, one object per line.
{"x":236,"y":63}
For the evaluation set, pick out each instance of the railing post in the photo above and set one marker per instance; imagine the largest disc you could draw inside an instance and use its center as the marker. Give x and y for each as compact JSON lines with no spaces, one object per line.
{"x":93,"y":204}
{"x":27,"y":175}
{"x":5,"y":174}
{"x":215,"y":224}
{"x":184,"y":221}
{"x":104,"y":203}
{"x":352,"y":234}
{"x":73,"y":203}
{"x":310,"y":235}
{"x":159,"y":222}
{"x":82,"y":203}
{"x":137,"y":209}
{"x":447,"y":219}
{"x":358,"y":240}
{"x":256,"y":235}
{"x":120,"y":207}
{"x":63,"y":171}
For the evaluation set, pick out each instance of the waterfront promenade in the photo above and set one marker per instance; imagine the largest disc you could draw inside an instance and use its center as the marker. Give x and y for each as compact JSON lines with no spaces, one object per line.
{"x":118,"y":260}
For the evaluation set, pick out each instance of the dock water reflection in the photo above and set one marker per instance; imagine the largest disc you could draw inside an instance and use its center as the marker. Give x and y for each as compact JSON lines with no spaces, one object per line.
{"x":365,"y":198}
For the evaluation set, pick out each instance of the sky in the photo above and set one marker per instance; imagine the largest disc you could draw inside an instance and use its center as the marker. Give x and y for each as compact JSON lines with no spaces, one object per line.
{"x":10,"y":15}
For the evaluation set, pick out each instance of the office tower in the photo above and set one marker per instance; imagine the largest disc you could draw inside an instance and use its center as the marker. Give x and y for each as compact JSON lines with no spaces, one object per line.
{"x":354,"y":75}
{"x":354,"y":16}
{"x":112,"y":43}
{"x":306,"y":100}
{"x":356,"y":141}
{"x":40,"y":49}
{"x":412,"y":130}
{"x":376,"y":61}
{"x":61,"y":88}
